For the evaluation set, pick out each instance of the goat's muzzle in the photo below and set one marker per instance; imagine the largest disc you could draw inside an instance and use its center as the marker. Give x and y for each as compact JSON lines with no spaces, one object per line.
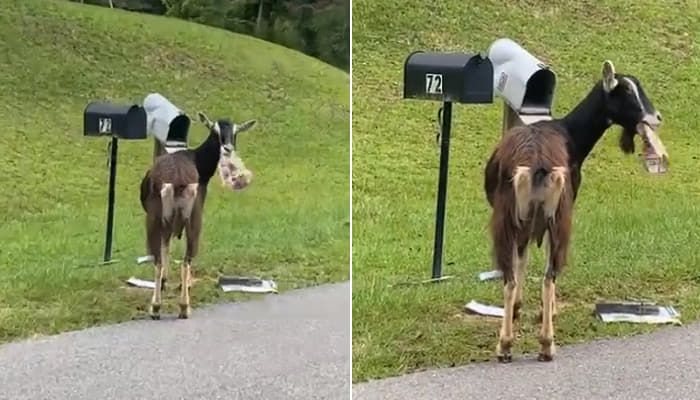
{"x":654,"y":152}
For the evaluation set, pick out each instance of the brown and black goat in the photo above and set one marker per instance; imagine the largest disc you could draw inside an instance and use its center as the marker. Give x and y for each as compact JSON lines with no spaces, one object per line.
{"x":532,"y":180}
{"x":173,"y":194}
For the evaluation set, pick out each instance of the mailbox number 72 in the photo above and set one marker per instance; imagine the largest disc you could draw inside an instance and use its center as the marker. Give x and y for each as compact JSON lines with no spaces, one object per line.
{"x":433,"y":83}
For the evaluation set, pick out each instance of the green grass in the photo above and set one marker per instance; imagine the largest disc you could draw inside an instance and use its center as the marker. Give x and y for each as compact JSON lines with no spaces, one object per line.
{"x":634,"y":234}
{"x":291,"y":225}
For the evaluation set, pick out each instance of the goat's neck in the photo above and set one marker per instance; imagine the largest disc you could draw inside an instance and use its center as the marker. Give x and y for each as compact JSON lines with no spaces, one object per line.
{"x":587,"y":122}
{"x":207,"y":157}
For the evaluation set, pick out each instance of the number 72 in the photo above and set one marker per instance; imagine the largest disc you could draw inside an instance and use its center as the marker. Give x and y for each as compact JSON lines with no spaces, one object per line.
{"x":433,"y":83}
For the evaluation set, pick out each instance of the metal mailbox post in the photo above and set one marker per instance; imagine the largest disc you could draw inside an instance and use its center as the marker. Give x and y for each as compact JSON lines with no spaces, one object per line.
{"x":446,"y":77}
{"x":120,"y":122}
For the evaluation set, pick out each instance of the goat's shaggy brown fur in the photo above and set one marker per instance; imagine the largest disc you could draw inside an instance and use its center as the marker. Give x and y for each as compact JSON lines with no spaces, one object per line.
{"x":173,"y":193}
{"x":170,"y":197}
{"x":532,"y":180}
{"x":529,"y":187}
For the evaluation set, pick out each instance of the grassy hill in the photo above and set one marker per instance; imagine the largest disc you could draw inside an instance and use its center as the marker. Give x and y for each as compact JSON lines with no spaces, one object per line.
{"x":634,"y":234}
{"x":55,"y":57}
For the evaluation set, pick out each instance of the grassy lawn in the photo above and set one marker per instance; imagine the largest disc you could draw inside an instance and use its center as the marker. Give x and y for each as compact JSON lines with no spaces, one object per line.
{"x":634,"y":234}
{"x":291,"y":225}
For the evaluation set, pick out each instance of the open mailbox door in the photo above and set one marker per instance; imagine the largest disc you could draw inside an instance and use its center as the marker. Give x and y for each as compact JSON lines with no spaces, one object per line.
{"x":166,"y":123}
{"x":525,"y":84}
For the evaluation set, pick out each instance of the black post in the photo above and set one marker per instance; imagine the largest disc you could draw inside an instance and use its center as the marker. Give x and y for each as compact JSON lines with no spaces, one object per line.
{"x":442,"y":189}
{"x":110,"y":201}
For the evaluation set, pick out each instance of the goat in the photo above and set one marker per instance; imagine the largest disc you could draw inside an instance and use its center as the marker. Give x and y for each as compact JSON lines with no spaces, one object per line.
{"x":173,"y":192}
{"x":531,"y":182}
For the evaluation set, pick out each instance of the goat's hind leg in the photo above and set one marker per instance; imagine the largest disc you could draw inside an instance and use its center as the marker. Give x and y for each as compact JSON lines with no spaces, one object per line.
{"x":186,"y":271}
{"x":193,"y":226}
{"x":559,"y":236}
{"x":161,"y":270}
{"x":547,"y":267}
{"x":186,"y":274}
{"x":506,"y":258}
{"x":159,"y":232}
{"x":154,"y":240}
{"x":506,"y":336}
{"x":546,"y":336}
{"x":520,"y":272}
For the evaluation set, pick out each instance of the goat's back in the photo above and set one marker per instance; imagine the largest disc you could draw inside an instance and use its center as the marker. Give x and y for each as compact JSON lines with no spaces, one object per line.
{"x":178,"y":169}
{"x":528,"y":181}
{"x":543,"y":143}
{"x":539,"y":145}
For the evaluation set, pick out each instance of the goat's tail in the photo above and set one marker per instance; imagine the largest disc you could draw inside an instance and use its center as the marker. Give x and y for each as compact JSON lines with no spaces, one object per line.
{"x":177,"y":200}
{"x":537,"y":186}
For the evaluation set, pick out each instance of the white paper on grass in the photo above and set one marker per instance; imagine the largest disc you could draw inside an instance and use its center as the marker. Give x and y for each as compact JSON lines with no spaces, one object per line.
{"x":133,"y":281}
{"x":265,"y":286}
{"x":485,"y":276}
{"x":149,"y":258}
{"x":144,"y":259}
{"x":483,"y":309}
{"x":666,"y":315}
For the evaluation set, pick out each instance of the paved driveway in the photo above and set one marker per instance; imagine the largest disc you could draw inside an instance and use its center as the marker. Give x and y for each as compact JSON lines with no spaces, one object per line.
{"x":663,"y":365}
{"x":295,"y":345}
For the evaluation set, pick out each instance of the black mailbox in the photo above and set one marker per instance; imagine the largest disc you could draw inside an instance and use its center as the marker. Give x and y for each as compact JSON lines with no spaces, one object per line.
{"x":122,"y":121}
{"x":448,"y":77}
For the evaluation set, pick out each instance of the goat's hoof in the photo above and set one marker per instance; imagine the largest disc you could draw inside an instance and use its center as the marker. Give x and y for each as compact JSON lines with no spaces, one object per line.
{"x":185,"y":311}
{"x":503,"y":351}
{"x":546,"y":351}
{"x":155,"y":311}
{"x":505,"y":358}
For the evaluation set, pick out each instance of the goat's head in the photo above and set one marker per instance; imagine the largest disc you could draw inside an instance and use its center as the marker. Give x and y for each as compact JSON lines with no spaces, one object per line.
{"x":627,"y":105}
{"x":232,"y":171}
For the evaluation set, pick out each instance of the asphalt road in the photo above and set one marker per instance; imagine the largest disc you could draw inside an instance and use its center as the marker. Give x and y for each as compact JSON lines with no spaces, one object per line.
{"x":295,"y":345}
{"x":663,"y":365}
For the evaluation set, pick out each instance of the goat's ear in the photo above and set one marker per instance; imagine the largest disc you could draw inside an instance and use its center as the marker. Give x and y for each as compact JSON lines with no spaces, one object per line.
{"x":609,"y":81}
{"x":246,"y":126}
{"x":205,"y":120}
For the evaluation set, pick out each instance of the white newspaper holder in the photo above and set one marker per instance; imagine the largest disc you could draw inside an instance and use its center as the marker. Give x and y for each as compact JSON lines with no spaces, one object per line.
{"x":525,"y":84}
{"x":168,"y":125}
